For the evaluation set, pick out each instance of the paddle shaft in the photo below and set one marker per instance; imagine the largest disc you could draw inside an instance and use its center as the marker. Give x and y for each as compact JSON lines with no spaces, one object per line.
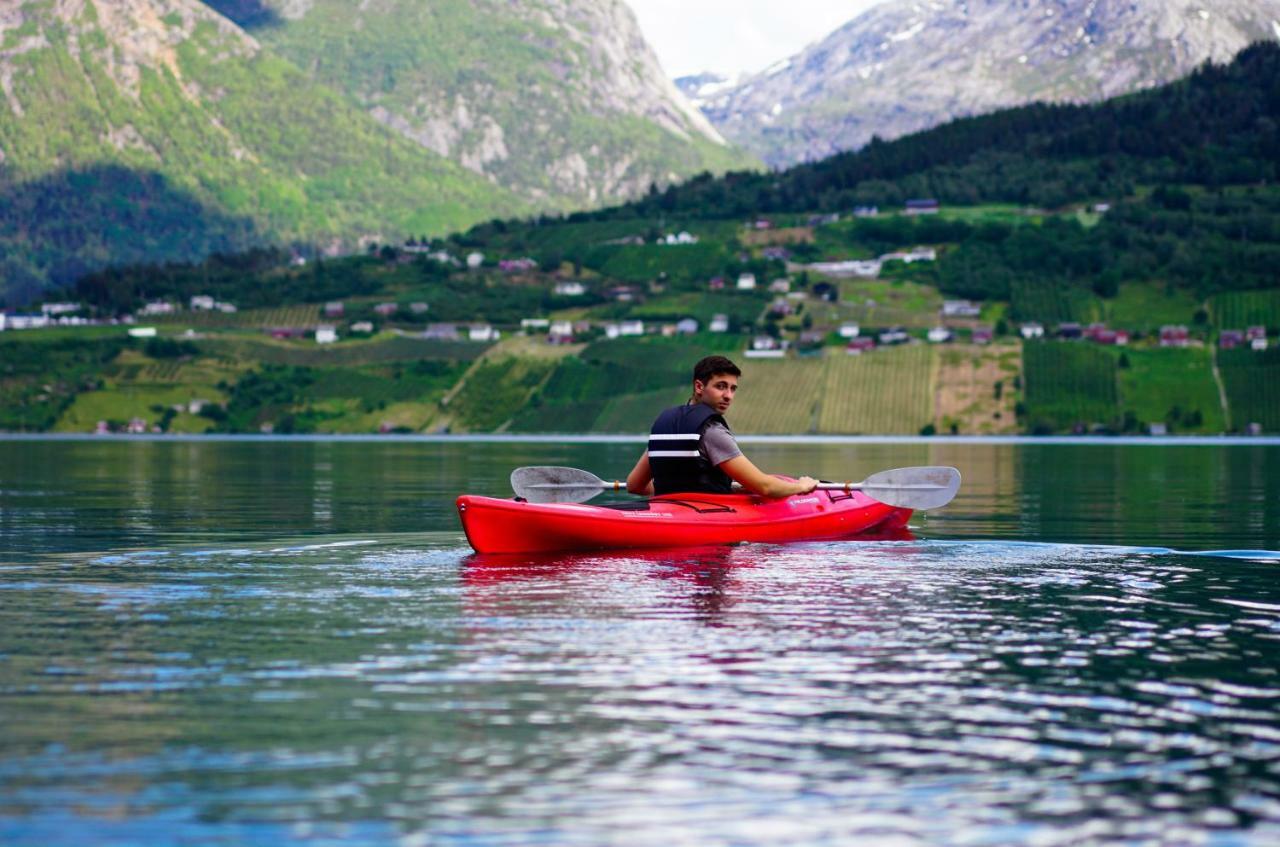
{"x":618,"y":485}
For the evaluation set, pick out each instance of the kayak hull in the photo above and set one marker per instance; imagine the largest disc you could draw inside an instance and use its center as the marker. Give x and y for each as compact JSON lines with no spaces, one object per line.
{"x":494,"y":525}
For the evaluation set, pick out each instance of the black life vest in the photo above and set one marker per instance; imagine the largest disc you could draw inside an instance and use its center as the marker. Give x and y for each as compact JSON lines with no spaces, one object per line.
{"x":674,"y":460}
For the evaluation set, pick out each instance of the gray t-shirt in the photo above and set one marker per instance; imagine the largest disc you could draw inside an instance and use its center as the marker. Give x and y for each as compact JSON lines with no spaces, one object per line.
{"x":718,"y":444}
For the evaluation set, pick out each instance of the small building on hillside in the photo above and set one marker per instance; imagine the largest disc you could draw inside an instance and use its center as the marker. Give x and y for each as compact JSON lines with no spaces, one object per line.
{"x":418,"y":308}
{"x":142,"y":332}
{"x":780,"y":286}
{"x":849,"y":330}
{"x":631,"y":327}
{"x":326,"y":334}
{"x":719,"y":323}
{"x":866,"y":211}
{"x":482,"y":332}
{"x":1070,"y":330}
{"x":1031,"y":330}
{"x":333,"y":309}
{"x":746,"y":282}
{"x":534,"y":323}
{"x":561,"y":332}
{"x":363,"y":327}
{"x":939,"y":334}
{"x":894,"y":335}
{"x":1112,"y":337}
{"x":982,"y":335}
{"x":1174,"y":336}
{"x":960,"y":309}
{"x":1229,"y":339}
{"x":442,"y":332}
{"x":521,"y":265}
{"x":862,"y":344}
{"x":475,"y":260}
{"x":716,"y":283}
{"x":202,"y":303}
{"x":386,"y":310}
{"x":686,"y":326}
{"x":570,"y":289}
{"x":922,"y":206}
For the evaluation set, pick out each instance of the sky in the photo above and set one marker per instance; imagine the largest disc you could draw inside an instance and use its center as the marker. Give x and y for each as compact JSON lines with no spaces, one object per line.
{"x":733,"y":36}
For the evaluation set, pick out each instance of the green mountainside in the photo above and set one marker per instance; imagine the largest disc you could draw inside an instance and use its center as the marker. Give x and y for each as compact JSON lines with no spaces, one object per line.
{"x":560,"y":100}
{"x":153,"y":130}
{"x":1159,"y":209}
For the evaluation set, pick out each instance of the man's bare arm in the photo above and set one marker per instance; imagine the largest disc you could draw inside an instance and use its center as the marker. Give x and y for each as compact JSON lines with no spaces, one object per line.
{"x":640,"y":480}
{"x":742,"y":471}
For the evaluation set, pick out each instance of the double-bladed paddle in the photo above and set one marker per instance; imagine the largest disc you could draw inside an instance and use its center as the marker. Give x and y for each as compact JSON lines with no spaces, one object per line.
{"x":908,"y":488}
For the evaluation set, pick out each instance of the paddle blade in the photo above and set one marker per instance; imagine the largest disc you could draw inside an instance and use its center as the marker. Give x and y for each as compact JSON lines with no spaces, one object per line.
{"x":914,"y":488}
{"x":546,"y":484}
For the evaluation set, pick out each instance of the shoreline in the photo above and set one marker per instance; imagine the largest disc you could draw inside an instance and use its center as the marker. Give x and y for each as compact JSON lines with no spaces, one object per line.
{"x":638,"y":438}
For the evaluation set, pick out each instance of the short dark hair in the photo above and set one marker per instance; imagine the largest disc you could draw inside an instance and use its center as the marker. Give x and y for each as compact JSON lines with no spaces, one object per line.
{"x":711,"y":365}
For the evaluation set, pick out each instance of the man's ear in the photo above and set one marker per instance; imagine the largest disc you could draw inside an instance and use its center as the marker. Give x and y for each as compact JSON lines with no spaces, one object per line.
{"x":698,"y":387}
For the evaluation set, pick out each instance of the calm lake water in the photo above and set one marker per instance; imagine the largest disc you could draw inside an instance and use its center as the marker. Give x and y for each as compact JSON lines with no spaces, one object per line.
{"x":259,"y":642}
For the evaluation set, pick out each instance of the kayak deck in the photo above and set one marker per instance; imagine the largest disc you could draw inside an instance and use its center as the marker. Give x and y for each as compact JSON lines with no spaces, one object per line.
{"x":495,"y":525}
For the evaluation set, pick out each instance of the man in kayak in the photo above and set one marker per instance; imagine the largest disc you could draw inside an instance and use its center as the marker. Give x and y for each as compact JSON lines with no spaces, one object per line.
{"x":692,"y":449}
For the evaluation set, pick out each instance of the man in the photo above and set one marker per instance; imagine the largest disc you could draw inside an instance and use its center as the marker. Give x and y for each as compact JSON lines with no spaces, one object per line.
{"x":691,"y":448}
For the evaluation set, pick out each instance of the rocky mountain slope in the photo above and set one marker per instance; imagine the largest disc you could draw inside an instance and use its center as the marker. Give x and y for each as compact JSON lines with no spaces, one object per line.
{"x":156,"y":130}
{"x":562,"y":101}
{"x":911,"y":64}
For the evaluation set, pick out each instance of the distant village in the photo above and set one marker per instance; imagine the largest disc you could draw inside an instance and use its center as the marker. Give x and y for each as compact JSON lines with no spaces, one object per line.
{"x":957,"y":319}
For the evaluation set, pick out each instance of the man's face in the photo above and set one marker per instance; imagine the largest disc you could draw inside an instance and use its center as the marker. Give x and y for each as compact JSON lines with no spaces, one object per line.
{"x":716,"y":392}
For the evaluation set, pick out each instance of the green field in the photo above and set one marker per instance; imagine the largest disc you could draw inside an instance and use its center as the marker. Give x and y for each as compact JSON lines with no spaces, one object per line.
{"x":1068,"y":384}
{"x":886,"y":391}
{"x":1145,"y":307}
{"x":1174,"y":386}
{"x":1252,"y":382}
{"x":1241,"y":309}
{"x":1050,"y":304}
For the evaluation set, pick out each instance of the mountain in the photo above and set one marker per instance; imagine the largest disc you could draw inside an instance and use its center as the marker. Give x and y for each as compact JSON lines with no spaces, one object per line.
{"x":562,"y":101}
{"x":158,"y":130}
{"x":907,"y":65}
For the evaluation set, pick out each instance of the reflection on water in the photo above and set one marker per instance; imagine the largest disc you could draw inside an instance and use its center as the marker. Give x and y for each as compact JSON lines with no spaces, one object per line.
{"x":262,"y":643}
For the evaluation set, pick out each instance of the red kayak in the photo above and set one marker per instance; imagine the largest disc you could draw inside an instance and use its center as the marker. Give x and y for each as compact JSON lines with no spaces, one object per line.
{"x":675,"y":520}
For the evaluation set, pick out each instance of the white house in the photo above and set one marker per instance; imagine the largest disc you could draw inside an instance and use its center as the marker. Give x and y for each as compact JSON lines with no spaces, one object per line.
{"x":939,"y":334}
{"x":960,"y":309}
{"x":849,"y":330}
{"x":561,"y":329}
{"x":225,"y":308}
{"x":326,"y":334}
{"x":719,"y":323}
{"x":686,"y":326}
{"x":157,"y":307}
{"x":534,"y":323}
{"x":142,"y":332}
{"x":362,"y":326}
{"x":203,"y":303}
{"x":612,"y":330}
{"x":570,"y":289}
{"x":59,"y":308}
{"x":631,"y":328}
{"x":679,"y":238}
{"x":483,"y":332}
{"x":746,"y":282}
{"x":1031,"y":330}
{"x":865,"y":268}
{"x":475,"y":260}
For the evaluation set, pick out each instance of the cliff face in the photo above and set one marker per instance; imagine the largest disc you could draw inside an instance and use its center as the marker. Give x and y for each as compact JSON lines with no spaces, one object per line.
{"x":562,"y":101}
{"x":911,"y":64}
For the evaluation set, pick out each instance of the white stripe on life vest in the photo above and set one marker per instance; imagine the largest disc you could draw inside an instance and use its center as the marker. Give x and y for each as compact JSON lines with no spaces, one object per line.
{"x":675,"y":436}
{"x":672,"y":454}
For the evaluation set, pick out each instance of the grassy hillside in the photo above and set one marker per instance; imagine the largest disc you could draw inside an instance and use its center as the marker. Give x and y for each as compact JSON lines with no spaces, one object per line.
{"x":213,"y":146}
